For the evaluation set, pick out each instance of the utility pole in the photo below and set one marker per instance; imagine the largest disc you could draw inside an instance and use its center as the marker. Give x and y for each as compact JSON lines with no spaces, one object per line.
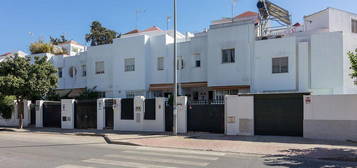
{"x":168,"y":19}
{"x":175,"y":72}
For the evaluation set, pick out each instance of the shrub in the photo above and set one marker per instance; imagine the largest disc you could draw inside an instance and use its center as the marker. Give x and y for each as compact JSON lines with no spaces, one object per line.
{"x":41,"y":47}
{"x":6,"y":106}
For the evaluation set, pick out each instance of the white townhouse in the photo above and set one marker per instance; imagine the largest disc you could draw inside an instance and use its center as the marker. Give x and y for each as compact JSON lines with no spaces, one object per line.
{"x":230,"y":57}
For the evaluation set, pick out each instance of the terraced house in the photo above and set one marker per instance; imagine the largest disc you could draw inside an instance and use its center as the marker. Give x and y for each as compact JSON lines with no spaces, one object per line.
{"x":234,"y":55}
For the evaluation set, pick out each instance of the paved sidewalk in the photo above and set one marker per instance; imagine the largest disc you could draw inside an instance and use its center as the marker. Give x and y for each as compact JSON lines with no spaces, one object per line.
{"x":267,"y":146}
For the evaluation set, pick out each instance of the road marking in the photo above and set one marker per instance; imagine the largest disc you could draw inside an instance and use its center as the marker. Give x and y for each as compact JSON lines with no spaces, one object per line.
{"x":162,"y":160}
{"x":124,"y":164}
{"x":73,"y":166}
{"x":172,"y":155}
{"x":181,"y":151}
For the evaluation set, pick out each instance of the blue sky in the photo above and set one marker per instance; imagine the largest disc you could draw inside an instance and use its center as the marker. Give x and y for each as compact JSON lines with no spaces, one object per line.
{"x":73,"y":17}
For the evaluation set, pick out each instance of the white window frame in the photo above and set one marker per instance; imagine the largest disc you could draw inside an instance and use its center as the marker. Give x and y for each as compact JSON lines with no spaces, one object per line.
{"x":160,"y":63}
{"x":84,"y":70}
{"x":354,"y":25}
{"x":60,"y":72}
{"x":129,"y":64}
{"x":281,"y":67}
{"x":197,"y":58}
{"x":231,"y":56}
{"x":97,"y":70}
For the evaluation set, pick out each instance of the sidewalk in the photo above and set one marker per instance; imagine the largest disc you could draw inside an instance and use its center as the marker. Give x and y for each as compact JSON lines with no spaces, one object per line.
{"x":267,"y":146}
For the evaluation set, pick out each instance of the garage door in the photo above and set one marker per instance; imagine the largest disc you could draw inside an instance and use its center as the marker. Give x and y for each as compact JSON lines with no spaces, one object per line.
{"x":278,"y":114}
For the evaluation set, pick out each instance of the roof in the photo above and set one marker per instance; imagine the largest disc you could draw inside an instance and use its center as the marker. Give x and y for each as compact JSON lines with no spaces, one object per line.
{"x":5,"y":54}
{"x":246,"y":14}
{"x":150,"y":29}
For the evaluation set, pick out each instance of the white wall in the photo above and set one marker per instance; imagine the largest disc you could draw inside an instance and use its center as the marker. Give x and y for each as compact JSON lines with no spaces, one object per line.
{"x":67,"y":111}
{"x":265,"y":50}
{"x":327,"y":63}
{"x":341,"y":20}
{"x":241,"y":38}
{"x":317,"y":21}
{"x":330,"y":117}
{"x":239,"y":115}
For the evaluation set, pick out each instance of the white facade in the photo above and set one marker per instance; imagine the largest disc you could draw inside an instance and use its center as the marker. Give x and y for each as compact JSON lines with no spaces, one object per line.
{"x":316,"y":54}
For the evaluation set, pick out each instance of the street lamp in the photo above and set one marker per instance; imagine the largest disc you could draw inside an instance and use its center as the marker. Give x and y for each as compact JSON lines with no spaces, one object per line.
{"x":175,"y":72}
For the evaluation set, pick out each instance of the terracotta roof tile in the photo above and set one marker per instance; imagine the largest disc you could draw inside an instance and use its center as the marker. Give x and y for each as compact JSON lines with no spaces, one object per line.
{"x":246,"y":14}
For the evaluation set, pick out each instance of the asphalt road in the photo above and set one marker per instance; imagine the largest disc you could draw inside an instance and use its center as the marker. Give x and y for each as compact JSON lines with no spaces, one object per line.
{"x":33,"y":150}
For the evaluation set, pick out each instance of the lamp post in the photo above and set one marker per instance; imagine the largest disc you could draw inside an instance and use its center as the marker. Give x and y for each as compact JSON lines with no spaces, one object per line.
{"x":175,"y":73}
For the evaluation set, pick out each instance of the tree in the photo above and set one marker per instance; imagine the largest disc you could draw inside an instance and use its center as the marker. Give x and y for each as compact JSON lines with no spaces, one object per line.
{"x":100,"y":35}
{"x":353,"y":59}
{"x":42,"y":47}
{"x":56,"y":41}
{"x":25,"y":81}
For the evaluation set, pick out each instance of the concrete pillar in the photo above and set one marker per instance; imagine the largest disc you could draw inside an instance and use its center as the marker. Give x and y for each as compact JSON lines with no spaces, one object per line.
{"x":27,"y":110}
{"x":160,"y":113}
{"x":239,"y":115}
{"x":100,"y":114}
{"x":139,"y":107}
{"x":39,"y":113}
{"x":117,"y":113}
{"x":67,"y":113}
{"x":182,"y":114}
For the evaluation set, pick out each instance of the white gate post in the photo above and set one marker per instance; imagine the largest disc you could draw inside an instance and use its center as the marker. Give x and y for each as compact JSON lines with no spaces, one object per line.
{"x":117,"y":113}
{"x":39,"y":113}
{"x":160,"y":112}
{"x":139,"y":108}
{"x":182,"y":114}
{"x":67,"y":113}
{"x":100,"y":114}
{"x":27,"y":110}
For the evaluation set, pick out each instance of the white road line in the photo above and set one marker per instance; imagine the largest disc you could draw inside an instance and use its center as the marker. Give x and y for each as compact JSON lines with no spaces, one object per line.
{"x":73,"y":166}
{"x":124,"y":164}
{"x":181,"y":151}
{"x":172,"y":155}
{"x":162,"y":160}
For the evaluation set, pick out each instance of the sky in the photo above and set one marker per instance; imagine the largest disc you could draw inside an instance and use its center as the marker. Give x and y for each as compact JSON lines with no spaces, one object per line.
{"x":26,"y":21}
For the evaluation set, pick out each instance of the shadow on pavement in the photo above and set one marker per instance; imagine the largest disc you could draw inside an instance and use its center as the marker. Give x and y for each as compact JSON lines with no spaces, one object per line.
{"x":270,"y":139}
{"x":331,"y":158}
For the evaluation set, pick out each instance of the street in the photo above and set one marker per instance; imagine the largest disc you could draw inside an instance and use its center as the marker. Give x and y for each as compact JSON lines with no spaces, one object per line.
{"x":66,"y":151}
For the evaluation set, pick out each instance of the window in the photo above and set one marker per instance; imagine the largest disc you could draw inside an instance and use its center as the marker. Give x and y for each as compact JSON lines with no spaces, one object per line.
{"x":354,"y":26}
{"x":228,"y":56}
{"x":75,"y":49}
{"x":60,"y":72}
{"x":280,"y":65}
{"x":84,"y":70}
{"x":99,"y":67}
{"x":72,"y":72}
{"x":129,"y":64}
{"x":160,"y":63}
{"x":197,"y":58}
{"x":180,"y":64}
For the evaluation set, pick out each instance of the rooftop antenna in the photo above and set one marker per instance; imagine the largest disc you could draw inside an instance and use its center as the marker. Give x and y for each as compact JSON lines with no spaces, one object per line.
{"x":234,"y":5}
{"x":168,"y":19}
{"x":137,"y":12}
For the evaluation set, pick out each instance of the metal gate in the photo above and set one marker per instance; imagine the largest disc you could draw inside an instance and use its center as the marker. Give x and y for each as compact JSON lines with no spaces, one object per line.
{"x":169,"y":117}
{"x":33,"y":114}
{"x":86,"y":114}
{"x":278,"y":114}
{"x":109,"y":114}
{"x":127,"y":109}
{"x":150,"y":109}
{"x":205,"y":118}
{"x":52,"y":114}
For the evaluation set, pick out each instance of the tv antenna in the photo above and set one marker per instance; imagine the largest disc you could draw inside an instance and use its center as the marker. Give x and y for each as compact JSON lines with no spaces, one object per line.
{"x":137,"y":12}
{"x":234,"y":5}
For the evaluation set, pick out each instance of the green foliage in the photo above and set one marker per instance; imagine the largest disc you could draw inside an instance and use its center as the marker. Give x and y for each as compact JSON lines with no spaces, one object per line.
{"x":353,"y":59}
{"x":100,"y":35}
{"x":24,"y":80}
{"x":41,"y":47}
{"x":56,"y":41}
{"x":89,"y":94}
{"x":6,"y":106}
